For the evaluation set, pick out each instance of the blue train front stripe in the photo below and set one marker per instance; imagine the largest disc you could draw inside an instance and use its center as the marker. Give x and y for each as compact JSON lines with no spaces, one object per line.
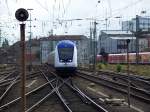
{"x":65,"y":44}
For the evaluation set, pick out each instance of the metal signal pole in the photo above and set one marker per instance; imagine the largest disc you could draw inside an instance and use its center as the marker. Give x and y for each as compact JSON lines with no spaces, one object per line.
{"x":137,"y":39}
{"x":30,"y":43}
{"x":94,"y":47}
{"x":128,"y":41}
{"x":91,"y":45}
{"x":0,"y":36}
{"x":23,"y":63}
{"x":22,"y":15}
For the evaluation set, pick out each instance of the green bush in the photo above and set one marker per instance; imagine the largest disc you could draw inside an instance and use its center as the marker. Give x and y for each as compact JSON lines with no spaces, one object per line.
{"x":105,"y":63}
{"x":119,"y":68}
{"x":3,"y":66}
{"x":101,"y":66}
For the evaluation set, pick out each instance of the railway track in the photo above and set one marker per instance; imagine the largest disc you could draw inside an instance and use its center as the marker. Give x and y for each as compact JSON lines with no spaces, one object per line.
{"x":134,"y":80}
{"x":71,"y":97}
{"x":51,"y":90}
{"x":8,"y":75}
{"x":11,"y":96}
{"x":8,"y":68}
{"x":56,"y":89}
{"x":137,"y":93}
{"x":7,"y":83}
{"x":141,"y":78}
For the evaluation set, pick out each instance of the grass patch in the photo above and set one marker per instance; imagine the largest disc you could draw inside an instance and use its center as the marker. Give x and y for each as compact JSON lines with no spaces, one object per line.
{"x":3,"y":66}
{"x":143,"y":70}
{"x":118,"y":68}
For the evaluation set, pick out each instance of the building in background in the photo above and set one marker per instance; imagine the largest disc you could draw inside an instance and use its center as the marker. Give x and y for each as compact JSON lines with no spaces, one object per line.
{"x":144,"y":25}
{"x":40,"y":49}
{"x":114,"y":41}
{"x":46,"y":47}
{"x":12,"y":54}
{"x":84,"y":54}
{"x":34,"y":57}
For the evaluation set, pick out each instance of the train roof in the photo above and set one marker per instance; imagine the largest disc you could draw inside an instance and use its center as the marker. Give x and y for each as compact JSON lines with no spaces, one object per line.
{"x":65,"y":43}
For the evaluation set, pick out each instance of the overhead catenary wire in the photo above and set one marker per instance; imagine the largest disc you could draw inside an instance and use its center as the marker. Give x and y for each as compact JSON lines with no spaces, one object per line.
{"x":41,"y":5}
{"x":59,"y":9}
{"x":110,"y":8}
{"x":128,"y":6}
{"x":8,"y":8}
{"x":53,"y":14}
{"x":118,"y":11}
{"x":63,"y":7}
{"x":67,"y":7}
{"x":115,"y":13}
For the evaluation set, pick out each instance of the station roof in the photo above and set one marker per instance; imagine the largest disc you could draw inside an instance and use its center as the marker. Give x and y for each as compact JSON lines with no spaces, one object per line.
{"x":123,"y":38}
{"x":63,"y":37}
{"x":117,"y":33}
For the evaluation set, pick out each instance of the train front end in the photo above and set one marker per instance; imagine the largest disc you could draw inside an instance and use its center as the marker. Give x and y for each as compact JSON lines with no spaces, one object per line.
{"x":66,"y":56}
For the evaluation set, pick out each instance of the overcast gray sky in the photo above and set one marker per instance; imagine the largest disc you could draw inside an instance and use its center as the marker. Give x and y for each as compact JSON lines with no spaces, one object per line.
{"x":56,"y":15}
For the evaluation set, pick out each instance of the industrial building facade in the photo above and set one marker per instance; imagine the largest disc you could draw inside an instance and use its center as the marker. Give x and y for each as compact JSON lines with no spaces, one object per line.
{"x":114,"y":41}
{"x":143,"y":25}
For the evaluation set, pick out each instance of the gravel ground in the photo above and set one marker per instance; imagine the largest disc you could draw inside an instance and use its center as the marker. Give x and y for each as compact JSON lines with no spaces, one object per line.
{"x":52,"y":104}
{"x":100,"y":92}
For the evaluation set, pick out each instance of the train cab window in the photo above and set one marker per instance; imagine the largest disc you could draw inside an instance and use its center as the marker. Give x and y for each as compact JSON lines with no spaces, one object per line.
{"x":65,"y":54}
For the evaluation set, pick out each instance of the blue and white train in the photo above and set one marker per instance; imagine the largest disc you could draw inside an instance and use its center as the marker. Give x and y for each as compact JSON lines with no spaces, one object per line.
{"x":64,"y":57}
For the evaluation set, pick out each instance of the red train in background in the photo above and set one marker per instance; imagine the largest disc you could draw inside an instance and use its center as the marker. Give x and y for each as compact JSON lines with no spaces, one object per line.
{"x":144,"y":58}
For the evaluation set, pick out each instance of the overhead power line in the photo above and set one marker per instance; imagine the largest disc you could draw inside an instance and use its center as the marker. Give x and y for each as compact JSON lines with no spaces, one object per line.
{"x":41,"y":5}
{"x":118,"y":11}
{"x":128,"y":6}
{"x":7,"y":7}
{"x":110,"y":8}
{"x":63,"y":7}
{"x":67,"y":6}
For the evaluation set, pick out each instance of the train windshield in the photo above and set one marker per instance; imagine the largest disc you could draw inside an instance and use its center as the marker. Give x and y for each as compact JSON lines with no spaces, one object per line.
{"x":65,"y":54}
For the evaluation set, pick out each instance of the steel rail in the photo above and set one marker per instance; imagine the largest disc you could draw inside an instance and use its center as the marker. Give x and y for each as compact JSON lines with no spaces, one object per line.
{"x":143,"y":91}
{"x":8,"y":89}
{"x":16,"y":80}
{"x":27,"y":94}
{"x":5,"y":84}
{"x":7,"y":75}
{"x":43,"y":99}
{"x":39,"y":102}
{"x":6,"y":81}
{"x":82,"y":94}
{"x":57,"y":92}
{"x":132,"y":77}
{"x":6,"y":71}
{"x":112,"y":87}
{"x":75,"y":88}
